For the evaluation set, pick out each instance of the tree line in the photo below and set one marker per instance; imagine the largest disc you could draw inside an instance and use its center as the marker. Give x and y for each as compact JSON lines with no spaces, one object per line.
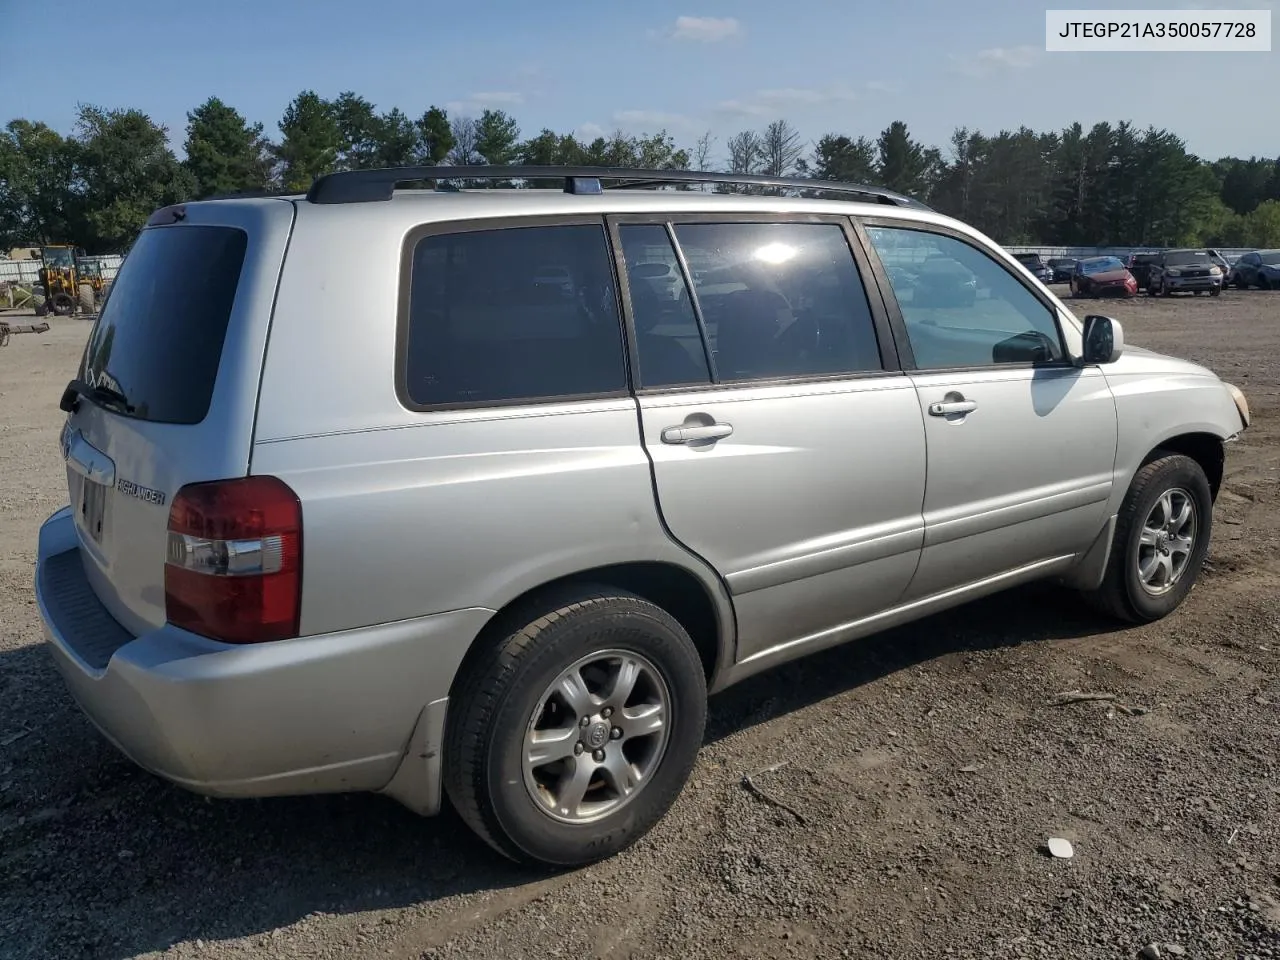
{"x":1113,"y":184}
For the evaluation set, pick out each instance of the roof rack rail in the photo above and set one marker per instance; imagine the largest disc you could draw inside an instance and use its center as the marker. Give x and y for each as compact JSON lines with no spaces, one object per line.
{"x":254,"y":193}
{"x":362,"y":186}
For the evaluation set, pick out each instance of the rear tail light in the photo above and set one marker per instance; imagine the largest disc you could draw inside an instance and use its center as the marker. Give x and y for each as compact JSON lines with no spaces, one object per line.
{"x":234,"y":566}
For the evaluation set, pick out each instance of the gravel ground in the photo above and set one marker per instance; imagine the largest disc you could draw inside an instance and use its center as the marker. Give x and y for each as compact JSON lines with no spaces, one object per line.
{"x":924,"y":771}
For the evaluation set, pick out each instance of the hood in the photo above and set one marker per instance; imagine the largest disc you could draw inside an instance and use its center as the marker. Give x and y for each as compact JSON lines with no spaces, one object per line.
{"x":1109,"y":276}
{"x":1141,"y":360}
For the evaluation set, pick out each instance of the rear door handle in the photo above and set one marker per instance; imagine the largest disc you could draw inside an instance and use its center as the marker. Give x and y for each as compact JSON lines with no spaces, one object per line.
{"x":948,"y":408}
{"x":688,"y":433}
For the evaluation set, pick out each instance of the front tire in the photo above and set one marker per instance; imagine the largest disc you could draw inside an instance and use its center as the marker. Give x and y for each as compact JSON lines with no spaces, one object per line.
{"x":1162,"y":536}
{"x":573,"y":734}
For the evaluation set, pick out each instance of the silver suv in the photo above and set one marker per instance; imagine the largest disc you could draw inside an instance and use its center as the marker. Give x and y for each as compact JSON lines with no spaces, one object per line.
{"x":478,"y":493}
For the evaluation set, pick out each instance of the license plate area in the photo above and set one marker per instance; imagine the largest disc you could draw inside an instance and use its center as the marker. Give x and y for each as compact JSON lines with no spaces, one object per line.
{"x":93,"y":503}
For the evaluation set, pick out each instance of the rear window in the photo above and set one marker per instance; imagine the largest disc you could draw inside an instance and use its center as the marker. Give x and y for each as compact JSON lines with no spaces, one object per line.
{"x":512,"y":315}
{"x":159,"y":338}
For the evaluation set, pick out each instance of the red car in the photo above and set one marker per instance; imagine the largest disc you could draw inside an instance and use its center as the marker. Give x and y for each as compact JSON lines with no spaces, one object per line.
{"x":1102,"y":277}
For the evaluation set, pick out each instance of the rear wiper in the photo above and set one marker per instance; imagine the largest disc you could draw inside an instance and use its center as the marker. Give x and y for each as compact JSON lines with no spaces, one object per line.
{"x":101,"y":395}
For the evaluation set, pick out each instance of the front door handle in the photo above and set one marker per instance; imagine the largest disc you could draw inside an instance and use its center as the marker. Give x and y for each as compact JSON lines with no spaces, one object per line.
{"x":691,"y":433}
{"x":950,"y":408}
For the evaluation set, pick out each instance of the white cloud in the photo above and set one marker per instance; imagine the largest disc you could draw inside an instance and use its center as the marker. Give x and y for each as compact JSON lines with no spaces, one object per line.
{"x":800,"y":95}
{"x":743,"y":108}
{"x":704,"y":29}
{"x":880,"y":86}
{"x":650,"y":119}
{"x":486,"y":100}
{"x":498,"y":97}
{"x":992,"y":59}
{"x":764,"y":103}
{"x":589,"y":131}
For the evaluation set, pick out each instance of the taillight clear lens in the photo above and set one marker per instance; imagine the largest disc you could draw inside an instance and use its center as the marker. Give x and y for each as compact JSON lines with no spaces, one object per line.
{"x":234,"y":566}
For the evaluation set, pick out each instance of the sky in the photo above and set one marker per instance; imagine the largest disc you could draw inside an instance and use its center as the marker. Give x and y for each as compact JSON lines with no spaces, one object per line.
{"x":689,"y":66}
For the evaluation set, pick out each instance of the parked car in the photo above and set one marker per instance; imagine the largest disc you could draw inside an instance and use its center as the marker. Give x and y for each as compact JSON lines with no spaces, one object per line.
{"x":1179,"y":271}
{"x":942,"y":280}
{"x":1102,"y":277}
{"x":662,"y":278}
{"x":501,"y":545}
{"x":1037,"y":265}
{"x":1140,"y":264}
{"x":1258,"y":268}
{"x":1063,"y":268}
{"x":1222,"y":264}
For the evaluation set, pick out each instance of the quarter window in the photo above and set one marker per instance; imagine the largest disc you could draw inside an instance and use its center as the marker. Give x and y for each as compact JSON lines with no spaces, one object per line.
{"x":779,"y":300}
{"x":518,"y":314}
{"x":961,"y":308}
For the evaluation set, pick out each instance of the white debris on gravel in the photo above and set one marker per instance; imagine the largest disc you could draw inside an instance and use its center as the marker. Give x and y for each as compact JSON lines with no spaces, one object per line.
{"x":1061,"y":848}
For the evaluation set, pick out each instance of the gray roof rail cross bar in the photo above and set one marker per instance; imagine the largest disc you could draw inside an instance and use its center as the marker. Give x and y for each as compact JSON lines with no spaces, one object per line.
{"x":363,"y":186}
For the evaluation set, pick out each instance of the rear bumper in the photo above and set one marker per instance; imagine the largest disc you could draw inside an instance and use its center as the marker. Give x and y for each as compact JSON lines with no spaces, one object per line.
{"x":351,"y":711}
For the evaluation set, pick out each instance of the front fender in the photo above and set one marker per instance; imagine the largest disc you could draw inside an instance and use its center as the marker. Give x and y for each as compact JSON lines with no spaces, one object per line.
{"x":1154,"y":409}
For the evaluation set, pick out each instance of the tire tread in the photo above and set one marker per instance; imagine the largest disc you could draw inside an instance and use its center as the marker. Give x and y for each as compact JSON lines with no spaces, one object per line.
{"x":1111,"y":598}
{"x":486,"y":676}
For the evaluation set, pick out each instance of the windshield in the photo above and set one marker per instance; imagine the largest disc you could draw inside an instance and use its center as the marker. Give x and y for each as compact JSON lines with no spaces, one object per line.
{"x":1100,"y":265}
{"x":1271,"y":257}
{"x":1183,"y":257}
{"x":57,"y":256}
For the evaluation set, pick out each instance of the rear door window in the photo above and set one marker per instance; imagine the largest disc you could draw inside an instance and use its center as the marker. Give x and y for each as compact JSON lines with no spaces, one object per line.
{"x":159,"y":339}
{"x":780,"y":300}
{"x":512,"y":315}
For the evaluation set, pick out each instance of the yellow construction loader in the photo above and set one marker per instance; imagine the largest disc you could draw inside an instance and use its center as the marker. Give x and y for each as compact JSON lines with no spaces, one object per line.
{"x":66,"y":293}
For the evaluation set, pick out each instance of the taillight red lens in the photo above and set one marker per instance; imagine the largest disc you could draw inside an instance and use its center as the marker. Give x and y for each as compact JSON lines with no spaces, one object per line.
{"x":234,"y":566}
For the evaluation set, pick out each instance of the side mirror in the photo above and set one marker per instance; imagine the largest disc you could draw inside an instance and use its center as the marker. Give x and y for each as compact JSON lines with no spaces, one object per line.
{"x":1103,"y":339}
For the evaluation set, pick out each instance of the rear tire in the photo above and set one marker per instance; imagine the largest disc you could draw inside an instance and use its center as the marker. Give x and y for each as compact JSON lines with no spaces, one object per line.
{"x":86,"y":298}
{"x":1143,"y":584}
{"x":62,"y":304}
{"x":521,"y":737}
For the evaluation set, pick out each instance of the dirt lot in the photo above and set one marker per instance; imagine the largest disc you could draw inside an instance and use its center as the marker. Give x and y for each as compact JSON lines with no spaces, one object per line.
{"x":927,"y":767}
